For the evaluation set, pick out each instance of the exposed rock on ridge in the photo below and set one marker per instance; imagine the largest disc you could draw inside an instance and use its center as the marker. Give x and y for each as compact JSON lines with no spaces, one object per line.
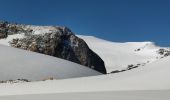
{"x":54,"y":41}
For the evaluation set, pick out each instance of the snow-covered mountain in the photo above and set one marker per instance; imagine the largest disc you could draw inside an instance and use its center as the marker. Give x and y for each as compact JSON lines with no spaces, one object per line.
{"x":152,"y":75}
{"x":132,"y":67}
{"x":61,"y":42}
{"x":125,"y":56}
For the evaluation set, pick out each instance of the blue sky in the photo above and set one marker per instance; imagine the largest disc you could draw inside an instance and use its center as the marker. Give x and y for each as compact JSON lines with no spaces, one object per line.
{"x":114,"y":20}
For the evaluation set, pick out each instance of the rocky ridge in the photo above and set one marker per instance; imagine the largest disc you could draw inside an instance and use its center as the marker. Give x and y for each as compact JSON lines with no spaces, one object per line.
{"x":54,"y":41}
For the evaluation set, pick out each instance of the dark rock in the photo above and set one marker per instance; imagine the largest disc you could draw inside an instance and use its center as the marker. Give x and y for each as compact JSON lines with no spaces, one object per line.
{"x":137,"y":49}
{"x":3,"y":29}
{"x":132,"y":66}
{"x":116,"y":71}
{"x":15,"y":81}
{"x":164,"y":52}
{"x":61,"y":43}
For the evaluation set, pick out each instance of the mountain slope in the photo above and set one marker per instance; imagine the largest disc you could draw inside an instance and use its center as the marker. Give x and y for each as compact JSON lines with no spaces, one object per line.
{"x":124,"y":56}
{"x":21,"y":64}
{"x":151,"y":77}
{"x":111,"y":95}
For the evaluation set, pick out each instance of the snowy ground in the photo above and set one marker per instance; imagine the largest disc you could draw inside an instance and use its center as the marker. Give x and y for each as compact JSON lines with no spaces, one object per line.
{"x":114,"y":95}
{"x":154,"y":76}
{"x":147,"y":82}
{"x":21,"y":64}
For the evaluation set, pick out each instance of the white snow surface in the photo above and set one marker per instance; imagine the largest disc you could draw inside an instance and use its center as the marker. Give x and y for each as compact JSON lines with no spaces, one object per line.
{"x":153,"y":76}
{"x":118,"y":56}
{"x":21,"y":64}
{"x":113,"y":95}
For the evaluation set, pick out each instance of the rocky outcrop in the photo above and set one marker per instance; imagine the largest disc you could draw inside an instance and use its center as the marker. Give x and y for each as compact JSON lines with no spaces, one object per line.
{"x":164,"y":52}
{"x":57,"y":41}
{"x":3,"y":29}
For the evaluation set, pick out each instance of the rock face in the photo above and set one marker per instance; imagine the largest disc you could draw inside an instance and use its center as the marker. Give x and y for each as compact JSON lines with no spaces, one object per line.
{"x":3,"y":29}
{"x":54,"y":41}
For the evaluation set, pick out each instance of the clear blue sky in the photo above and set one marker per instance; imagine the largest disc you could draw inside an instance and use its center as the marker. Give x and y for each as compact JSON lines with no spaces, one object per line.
{"x":114,"y":20}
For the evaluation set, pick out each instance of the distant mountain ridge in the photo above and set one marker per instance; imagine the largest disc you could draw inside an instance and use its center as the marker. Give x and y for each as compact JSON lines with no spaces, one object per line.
{"x":120,"y":57}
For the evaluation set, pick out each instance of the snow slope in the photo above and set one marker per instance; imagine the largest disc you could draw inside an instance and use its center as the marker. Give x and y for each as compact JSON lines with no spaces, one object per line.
{"x":153,"y":76}
{"x":118,"y":56}
{"x":21,"y":64}
{"x":113,"y":95}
